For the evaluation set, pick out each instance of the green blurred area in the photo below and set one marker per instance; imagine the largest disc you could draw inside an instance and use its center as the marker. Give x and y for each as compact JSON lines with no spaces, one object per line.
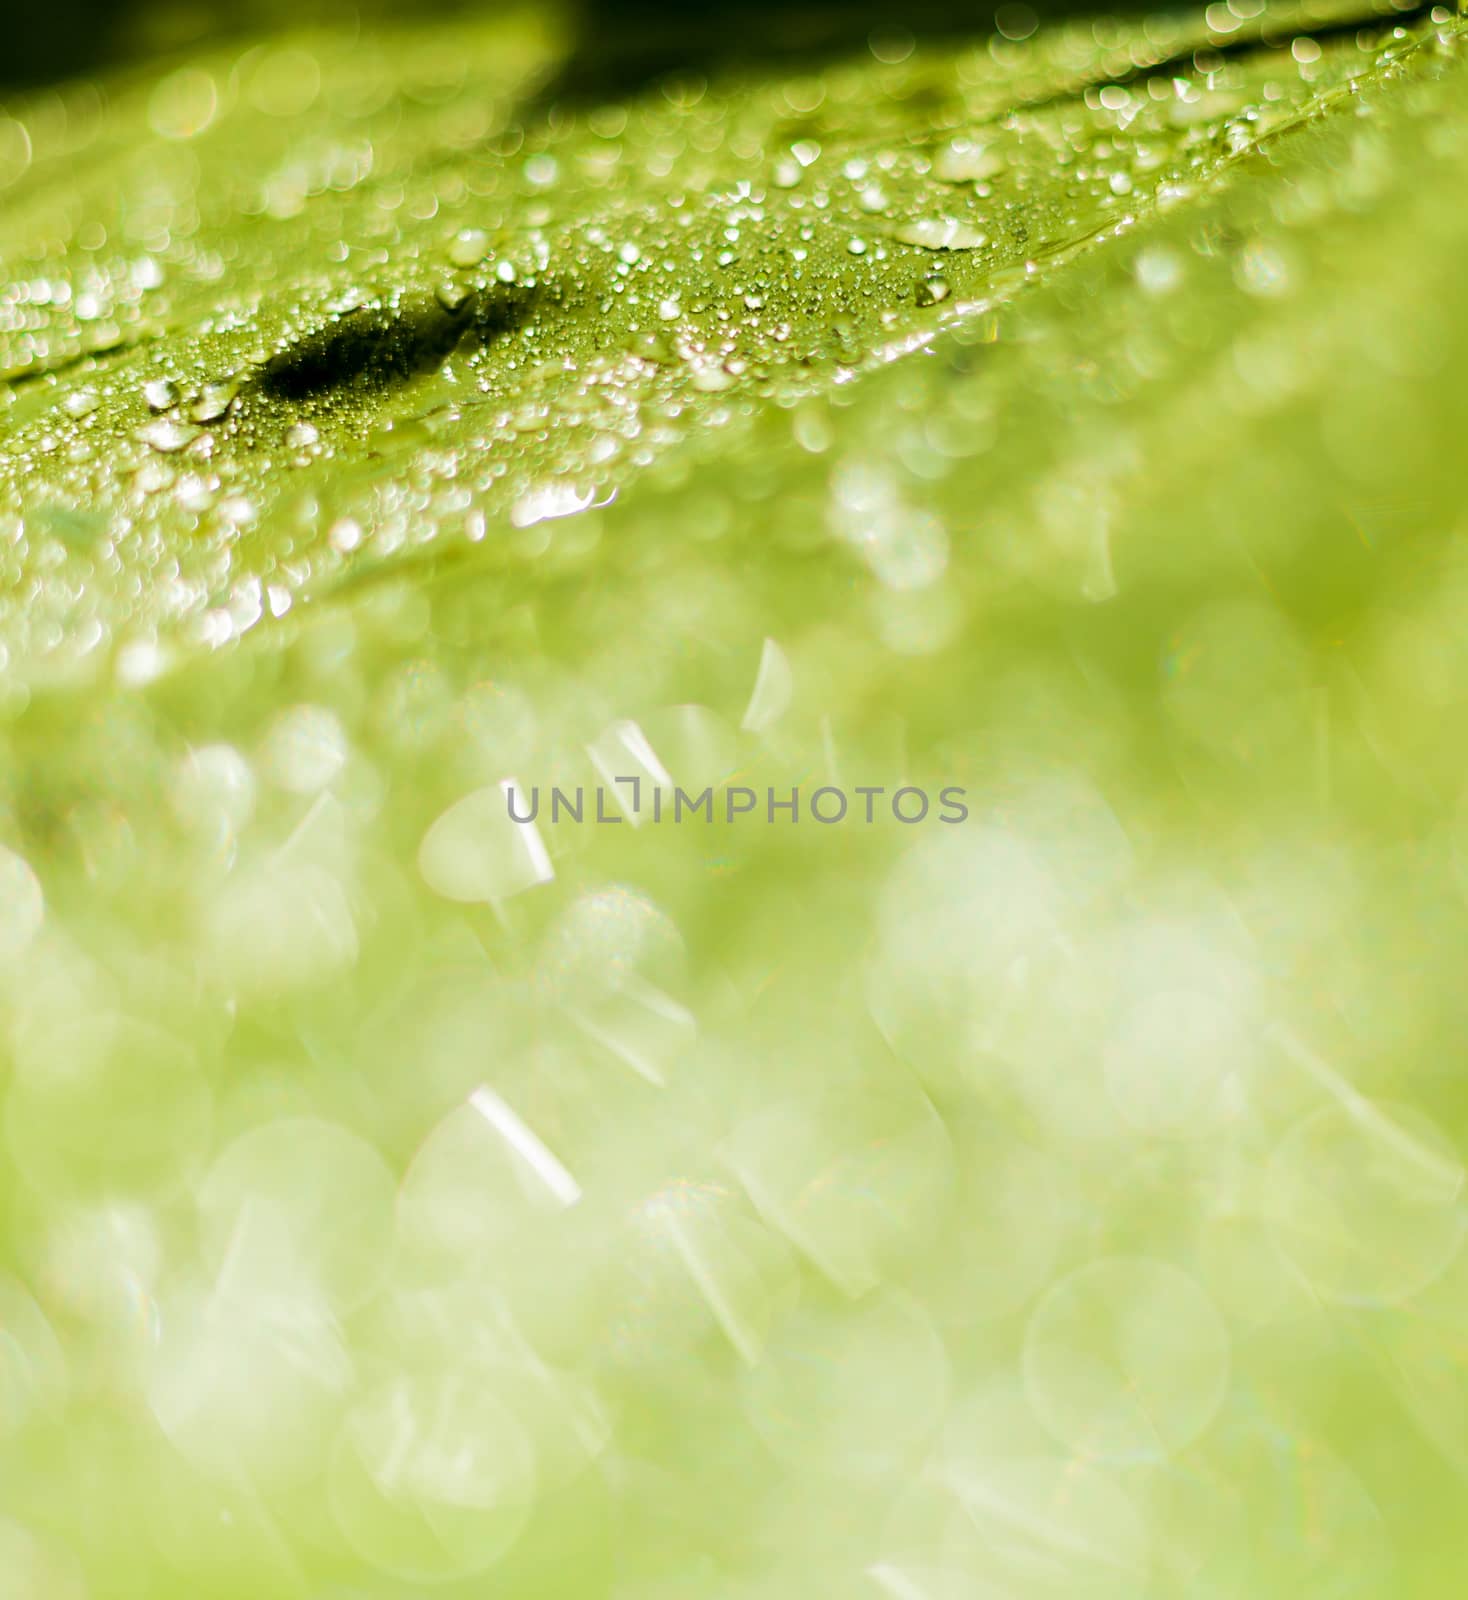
{"x":1065,"y":1205}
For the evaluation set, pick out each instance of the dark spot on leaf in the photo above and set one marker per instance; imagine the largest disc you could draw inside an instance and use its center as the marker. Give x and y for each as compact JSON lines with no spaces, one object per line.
{"x":378,"y":346}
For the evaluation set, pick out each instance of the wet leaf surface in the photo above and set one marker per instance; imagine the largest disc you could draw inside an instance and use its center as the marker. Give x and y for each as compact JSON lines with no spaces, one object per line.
{"x":1066,"y":1203}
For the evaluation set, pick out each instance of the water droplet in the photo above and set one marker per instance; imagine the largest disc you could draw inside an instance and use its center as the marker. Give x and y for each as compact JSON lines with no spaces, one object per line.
{"x":82,"y":403}
{"x":194,"y":494}
{"x":238,"y":511}
{"x":161,"y":394}
{"x":345,"y":535}
{"x":547,"y":502}
{"x":711,"y":380}
{"x":167,"y":436}
{"x":940,"y":233}
{"x":213,"y":401}
{"x":966,"y":162}
{"x":931,"y":291}
{"x":301,"y":435}
{"x":856,"y":246}
{"x":468,"y":247}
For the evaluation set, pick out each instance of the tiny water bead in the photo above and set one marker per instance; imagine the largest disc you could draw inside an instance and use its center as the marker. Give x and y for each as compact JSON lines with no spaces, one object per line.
{"x":213,"y":402}
{"x":302,"y":435}
{"x":586,"y":287}
{"x":161,"y":394}
{"x":167,"y":436}
{"x":82,"y":404}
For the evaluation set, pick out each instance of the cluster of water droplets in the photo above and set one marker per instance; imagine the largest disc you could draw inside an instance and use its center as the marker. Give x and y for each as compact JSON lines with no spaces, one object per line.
{"x":490,"y":322}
